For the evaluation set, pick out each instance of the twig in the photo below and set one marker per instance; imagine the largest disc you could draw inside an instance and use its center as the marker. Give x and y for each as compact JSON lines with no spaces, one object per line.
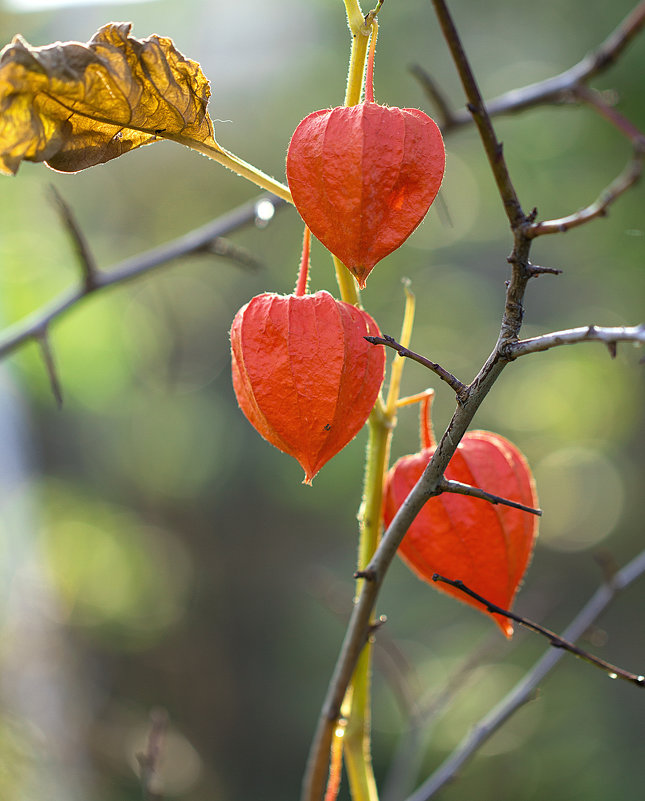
{"x":555,"y":640}
{"x":150,"y":759}
{"x":573,"y":336}
{"x":448,"y":119}
{"x":443,"y":374}
{"x":524,"y":689}
{"x":406,"y":762}
{"x":561,"y":88}
{"x":50,"y":367}
{"x":35,"y":326}
{"x":492,"y":146}
{"x":630,"y":175}
{"x":474,"y":492}
{"x":83,"y":252}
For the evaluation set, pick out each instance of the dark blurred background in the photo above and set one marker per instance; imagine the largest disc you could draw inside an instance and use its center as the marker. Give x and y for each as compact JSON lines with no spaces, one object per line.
{"x":155,"y":553}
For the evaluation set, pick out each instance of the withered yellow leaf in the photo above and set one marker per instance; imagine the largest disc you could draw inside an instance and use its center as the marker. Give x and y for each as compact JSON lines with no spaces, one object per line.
{"x":73,"y":105}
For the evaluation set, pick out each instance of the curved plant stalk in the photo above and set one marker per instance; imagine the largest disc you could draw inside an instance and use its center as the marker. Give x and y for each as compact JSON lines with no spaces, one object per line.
{"x":349,"y":291}
{"x":238,"y":166}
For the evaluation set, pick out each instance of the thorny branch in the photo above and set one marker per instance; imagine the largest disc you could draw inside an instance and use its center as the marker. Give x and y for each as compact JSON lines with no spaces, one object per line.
{"x":525,"y":688}
{"x":564,"y":88}
{"x":429,"y":485}
{"x":207,"y":239}
{"x":574,"y":336}
{"x":444,"y":375}
{"x":457,"y":488}
{"x":555,"y":640}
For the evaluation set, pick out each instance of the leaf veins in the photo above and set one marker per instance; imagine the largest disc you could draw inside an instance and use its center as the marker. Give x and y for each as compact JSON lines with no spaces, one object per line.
{"x":73,"y":105}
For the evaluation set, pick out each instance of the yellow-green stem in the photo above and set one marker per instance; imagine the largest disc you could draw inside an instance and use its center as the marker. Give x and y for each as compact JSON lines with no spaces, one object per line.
{"x":358,"y":760}
{"x":346,"y":283}
{"x":357,"y":737}
{"x":239,"y":166}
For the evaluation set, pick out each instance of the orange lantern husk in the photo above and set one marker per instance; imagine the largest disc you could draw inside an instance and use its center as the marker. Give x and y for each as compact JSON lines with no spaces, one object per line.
{"x":486,"y":546}
{"x":303,"y":373}
{"x":363,"y":177}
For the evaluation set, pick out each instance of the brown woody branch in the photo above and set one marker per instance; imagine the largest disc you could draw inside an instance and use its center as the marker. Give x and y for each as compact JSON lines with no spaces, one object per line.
{"x":437,"y":369}
{"x":458,"y":488}
{"x":201,"y":240}
{"x":554,"y":639}
{"x":430,"y":482}
{"x":574,"y":336}
{"x":559,"y":89}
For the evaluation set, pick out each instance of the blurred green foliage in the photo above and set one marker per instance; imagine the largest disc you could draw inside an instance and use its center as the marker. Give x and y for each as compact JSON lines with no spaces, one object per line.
{"x":171,"y":558}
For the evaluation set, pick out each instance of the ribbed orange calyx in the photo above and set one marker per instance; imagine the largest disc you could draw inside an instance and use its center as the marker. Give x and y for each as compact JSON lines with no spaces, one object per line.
{"x":486,"y":546}
{"x":303,"y":374}
{"x":363,"y":178}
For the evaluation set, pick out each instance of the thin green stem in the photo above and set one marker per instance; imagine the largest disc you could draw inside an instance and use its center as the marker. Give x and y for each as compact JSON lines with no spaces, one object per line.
{"x":237,"y":165}
{"x":360,"y":31}
{"x":357,"y":738}
{"x":346,"y":283}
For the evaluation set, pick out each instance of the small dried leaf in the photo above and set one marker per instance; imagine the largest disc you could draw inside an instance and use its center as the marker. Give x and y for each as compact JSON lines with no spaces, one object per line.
{"x":74,"y":106}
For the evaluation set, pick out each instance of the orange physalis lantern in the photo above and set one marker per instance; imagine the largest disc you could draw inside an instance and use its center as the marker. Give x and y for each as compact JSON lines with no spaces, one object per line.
{"x":486,"y":546}
{"x":363,"y":177}
{"x":303,"y":373}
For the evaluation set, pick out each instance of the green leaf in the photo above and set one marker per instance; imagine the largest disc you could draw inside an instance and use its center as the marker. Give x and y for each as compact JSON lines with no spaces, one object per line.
{"x":74,"y":106}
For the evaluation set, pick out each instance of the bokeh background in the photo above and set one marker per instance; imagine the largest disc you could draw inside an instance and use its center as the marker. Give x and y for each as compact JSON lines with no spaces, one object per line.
{"x":156,"y":554}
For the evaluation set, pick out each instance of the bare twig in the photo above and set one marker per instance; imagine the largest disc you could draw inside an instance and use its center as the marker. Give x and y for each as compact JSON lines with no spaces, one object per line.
{"x":83,"y":252}
{"x":561,"y":88}
{"x":444,"y":375}
{"x":35,"y":326}
{"x":475,"y":105}
{"x":554,"y":639}
{"x":474,"y":492}
{"x":573,"y":336}
{"x":523,"y":691}
{"x":630,"y":175}
{"x":447,"y":118}
{"x":50,"y":367}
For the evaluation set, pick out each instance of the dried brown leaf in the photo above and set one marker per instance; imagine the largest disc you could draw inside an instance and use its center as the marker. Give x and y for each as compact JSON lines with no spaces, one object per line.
{"x":73,"y":105}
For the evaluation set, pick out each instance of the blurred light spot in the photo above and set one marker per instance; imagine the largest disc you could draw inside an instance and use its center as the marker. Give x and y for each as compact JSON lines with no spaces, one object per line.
{"x":582,"y":496}
{"x":264,"y":211}
{"x":111,"y":570}
{"x":567,"y":394}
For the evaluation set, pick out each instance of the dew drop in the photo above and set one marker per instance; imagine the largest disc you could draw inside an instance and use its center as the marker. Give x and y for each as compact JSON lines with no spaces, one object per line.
{"x":613,"y":675}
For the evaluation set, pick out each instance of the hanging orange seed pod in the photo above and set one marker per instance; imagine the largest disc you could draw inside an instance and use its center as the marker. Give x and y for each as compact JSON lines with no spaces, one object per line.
{"x":303,"y":374}
{"x":486,"y":546}
{"x":363,"y":177}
